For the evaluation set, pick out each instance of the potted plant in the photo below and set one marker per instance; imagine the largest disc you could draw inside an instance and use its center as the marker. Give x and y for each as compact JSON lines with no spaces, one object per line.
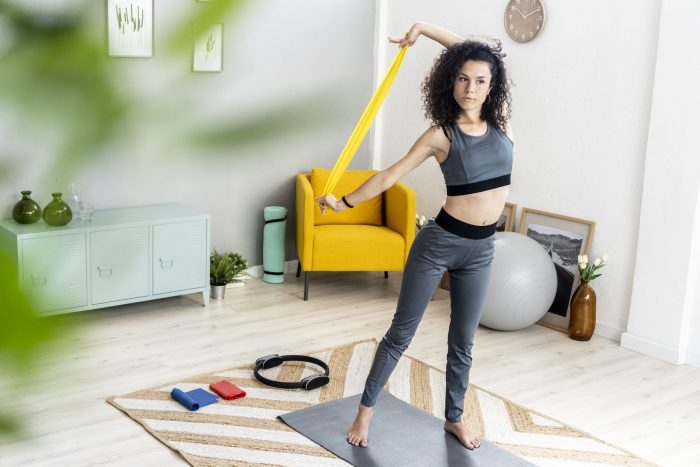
{"x":224,"y":268}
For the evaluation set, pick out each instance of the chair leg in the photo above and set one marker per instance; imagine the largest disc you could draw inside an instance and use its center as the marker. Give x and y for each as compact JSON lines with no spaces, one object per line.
{"x":386,"y":274}
{"x":299,"y":269}
{"x":306,"y":286}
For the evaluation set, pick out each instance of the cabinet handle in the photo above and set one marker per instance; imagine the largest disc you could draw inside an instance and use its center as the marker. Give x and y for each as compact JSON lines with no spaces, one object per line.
{"x":35,"y":280}
{"x":166,"y":263}
{"x":104,"y":271}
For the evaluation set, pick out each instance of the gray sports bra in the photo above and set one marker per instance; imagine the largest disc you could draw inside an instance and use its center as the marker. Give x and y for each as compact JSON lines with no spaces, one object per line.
{"x":477,"y":163}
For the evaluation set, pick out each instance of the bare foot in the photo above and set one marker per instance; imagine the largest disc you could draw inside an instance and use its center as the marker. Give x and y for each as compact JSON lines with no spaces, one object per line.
{"x":466,"y":437}
{"x":357,"y":434}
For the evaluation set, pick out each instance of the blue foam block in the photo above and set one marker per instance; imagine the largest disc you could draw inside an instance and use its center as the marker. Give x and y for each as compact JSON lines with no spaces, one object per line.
{"x":194,"y":399}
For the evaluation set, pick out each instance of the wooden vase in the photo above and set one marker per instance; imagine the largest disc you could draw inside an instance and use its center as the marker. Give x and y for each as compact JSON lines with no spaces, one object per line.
{"x":582,"y":321}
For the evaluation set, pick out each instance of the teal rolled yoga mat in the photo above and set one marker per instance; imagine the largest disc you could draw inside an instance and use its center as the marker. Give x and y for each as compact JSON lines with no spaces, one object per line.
{"x":273,"y":244}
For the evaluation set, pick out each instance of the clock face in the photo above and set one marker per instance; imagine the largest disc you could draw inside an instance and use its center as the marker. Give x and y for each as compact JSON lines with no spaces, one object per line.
{"x":524,"y":19}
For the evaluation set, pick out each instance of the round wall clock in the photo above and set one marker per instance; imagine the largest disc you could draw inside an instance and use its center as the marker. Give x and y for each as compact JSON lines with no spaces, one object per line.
{"x":524,"y":19}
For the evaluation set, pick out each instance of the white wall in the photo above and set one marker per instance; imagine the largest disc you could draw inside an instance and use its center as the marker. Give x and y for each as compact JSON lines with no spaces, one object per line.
{"x":689,"y":338}
{"x":664,"y":302}
{"x":580,"y":117}
{"x":276,"y":54}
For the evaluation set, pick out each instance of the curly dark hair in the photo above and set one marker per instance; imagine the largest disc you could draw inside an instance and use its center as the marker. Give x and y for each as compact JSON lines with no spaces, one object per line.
{"x":437,"y":88}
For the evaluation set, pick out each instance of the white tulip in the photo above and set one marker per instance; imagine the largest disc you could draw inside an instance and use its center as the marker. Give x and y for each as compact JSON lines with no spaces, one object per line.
{"x":584,"y":265}
{"x":580,"y":258}
{"x":422,"y":220}
{"x":585,"y":258}
{"x":605,"y":257}
{"x":596,"y":262}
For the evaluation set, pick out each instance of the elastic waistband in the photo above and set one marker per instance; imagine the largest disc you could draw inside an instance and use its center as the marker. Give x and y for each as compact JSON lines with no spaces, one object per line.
{"x":462,"y":229}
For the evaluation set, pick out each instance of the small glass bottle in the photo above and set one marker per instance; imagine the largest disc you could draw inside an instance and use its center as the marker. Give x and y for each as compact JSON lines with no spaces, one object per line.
{"x":75,"y":201}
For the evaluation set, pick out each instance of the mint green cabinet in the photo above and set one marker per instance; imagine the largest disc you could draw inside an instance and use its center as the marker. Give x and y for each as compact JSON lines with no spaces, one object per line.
{"x":119,"y":264}
{"x":53,"y":271}
{"x":122,"y":256}
{"x":179,"y":256}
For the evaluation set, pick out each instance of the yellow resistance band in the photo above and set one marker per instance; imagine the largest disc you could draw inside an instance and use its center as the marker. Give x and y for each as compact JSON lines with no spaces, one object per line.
{"x":363,"y":125}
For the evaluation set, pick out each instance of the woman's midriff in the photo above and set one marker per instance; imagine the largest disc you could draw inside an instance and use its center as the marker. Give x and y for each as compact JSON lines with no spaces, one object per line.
{"x":483,"y":208}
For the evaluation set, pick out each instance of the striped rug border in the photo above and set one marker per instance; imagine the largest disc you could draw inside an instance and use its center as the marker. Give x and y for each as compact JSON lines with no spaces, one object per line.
{"x":195,"y":460}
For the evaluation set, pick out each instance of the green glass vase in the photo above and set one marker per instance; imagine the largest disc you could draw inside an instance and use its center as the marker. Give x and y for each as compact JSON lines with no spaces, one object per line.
{"x":26,"y":211}
{"x":57,"y":212}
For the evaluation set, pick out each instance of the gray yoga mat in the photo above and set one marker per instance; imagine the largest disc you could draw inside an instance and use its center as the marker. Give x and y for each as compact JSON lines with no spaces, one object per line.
{"x":399,"y":435}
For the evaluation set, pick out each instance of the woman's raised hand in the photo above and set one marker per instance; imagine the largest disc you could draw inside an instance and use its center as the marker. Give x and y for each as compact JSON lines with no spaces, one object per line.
{"x":329,"y":201}
{"x":410,"y":37}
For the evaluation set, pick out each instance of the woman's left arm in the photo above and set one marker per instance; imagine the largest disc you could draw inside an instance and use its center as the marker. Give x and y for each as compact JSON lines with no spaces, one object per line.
{"x":430,"y":143}
{"x":438,"y":34}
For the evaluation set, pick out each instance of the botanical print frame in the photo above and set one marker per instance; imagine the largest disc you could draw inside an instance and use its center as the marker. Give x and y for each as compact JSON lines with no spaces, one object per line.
{"x":208,"y":51}
{"x":507,"y":219}
{"x":130,"y":28}
{"x":564,"y":238}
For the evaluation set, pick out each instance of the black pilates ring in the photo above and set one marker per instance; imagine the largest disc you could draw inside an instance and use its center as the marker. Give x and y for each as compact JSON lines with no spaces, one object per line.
{"x":309,"y":383}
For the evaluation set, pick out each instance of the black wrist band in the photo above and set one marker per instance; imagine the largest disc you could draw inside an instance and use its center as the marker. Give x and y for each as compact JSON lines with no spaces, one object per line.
{"x":346,"y":202}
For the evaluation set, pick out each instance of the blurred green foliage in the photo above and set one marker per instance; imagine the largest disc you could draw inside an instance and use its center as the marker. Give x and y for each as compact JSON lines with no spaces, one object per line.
{"x":25,"y":337}
{"x":23,"y":333}
{"x":56,"y":78}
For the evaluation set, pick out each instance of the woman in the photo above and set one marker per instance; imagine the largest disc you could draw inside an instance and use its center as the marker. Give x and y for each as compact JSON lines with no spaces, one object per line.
{"x":467,"y":98}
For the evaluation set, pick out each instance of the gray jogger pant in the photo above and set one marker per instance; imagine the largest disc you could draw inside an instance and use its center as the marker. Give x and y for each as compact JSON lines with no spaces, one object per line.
{"x":468,"y":260}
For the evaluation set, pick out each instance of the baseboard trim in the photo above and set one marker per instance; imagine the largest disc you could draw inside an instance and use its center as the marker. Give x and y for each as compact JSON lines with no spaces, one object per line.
{"x":609,"y":332}
{"x":652,"y":349}
{"x":257,"y":271}
{"x":692,"y":358}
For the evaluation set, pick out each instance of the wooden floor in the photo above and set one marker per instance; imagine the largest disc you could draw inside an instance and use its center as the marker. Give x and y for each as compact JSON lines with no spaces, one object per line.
{"x":647,"y":406}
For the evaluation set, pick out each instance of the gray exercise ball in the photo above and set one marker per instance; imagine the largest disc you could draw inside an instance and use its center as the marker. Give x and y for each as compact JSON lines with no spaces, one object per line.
{"x":523,"y":283}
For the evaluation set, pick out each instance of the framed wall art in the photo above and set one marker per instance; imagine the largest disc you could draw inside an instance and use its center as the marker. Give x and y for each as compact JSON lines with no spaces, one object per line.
{"x":130,"y":28}
{"x":507,"y":220}
{"x":563,"y":238}
{"x":208,"y":50}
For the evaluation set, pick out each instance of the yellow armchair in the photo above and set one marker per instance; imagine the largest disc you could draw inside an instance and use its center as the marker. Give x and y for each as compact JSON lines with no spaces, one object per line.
{"x":375,"y":235}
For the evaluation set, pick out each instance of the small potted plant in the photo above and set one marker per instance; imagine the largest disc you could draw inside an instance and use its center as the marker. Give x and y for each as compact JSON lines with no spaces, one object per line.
{"x":224,"y":268}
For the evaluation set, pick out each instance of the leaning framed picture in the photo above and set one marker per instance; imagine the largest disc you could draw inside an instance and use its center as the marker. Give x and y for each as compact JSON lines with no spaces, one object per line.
{"x":130,"y":28}
{"x":507,"y":220}
{"x":207,"y":55}
{"x":563,"y":238}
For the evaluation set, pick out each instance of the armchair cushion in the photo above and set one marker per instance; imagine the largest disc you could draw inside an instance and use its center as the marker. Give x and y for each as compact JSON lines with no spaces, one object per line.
{"x":368,"y":212}
{"x":349,"y":248}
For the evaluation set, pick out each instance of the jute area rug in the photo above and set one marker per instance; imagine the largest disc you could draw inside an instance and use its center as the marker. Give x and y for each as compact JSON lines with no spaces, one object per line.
{"x":247,"y":432}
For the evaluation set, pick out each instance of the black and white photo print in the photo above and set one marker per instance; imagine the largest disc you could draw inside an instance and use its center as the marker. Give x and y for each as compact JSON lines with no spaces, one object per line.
{"x":564,"y":238}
